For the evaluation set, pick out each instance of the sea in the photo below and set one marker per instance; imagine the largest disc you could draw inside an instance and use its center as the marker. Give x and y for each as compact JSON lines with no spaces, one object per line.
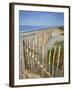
{"x":31,"y":28}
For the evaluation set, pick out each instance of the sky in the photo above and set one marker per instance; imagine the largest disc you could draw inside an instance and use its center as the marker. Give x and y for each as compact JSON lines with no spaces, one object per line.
{"x":40,"y":18}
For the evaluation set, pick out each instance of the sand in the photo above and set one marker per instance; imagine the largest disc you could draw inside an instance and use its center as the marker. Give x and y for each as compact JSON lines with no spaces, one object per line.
{"x":46,"y":37}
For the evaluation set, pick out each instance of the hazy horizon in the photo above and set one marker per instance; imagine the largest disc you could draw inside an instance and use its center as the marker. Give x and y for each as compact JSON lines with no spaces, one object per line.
{"x":34,"y":28}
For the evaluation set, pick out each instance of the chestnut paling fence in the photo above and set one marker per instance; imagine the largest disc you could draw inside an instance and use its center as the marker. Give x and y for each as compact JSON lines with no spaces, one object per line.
{"x":41,"y":62}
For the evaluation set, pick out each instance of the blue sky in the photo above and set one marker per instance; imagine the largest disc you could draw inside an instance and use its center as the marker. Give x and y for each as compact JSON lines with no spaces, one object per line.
{"x":38,"y":18}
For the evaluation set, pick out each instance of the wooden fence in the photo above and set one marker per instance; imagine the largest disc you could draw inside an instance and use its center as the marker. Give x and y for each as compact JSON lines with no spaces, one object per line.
{"x":41,"y":62}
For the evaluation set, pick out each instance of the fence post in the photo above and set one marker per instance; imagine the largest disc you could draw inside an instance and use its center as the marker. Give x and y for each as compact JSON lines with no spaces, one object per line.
{"x":43,"y":56}
{"x":24,"y":53}
{"x":53,"y":61}
{"x":58,"y":60}
{"x":49,"y":61}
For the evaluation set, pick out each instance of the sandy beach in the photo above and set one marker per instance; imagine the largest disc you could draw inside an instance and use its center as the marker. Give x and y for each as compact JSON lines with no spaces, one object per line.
{"x":40,"y":38}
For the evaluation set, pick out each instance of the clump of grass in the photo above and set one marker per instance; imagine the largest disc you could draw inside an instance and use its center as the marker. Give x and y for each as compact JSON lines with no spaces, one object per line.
{"x":61,"y":62}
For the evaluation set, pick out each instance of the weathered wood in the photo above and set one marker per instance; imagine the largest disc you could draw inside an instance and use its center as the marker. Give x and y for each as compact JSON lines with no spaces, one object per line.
{"x":24,"y":53}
